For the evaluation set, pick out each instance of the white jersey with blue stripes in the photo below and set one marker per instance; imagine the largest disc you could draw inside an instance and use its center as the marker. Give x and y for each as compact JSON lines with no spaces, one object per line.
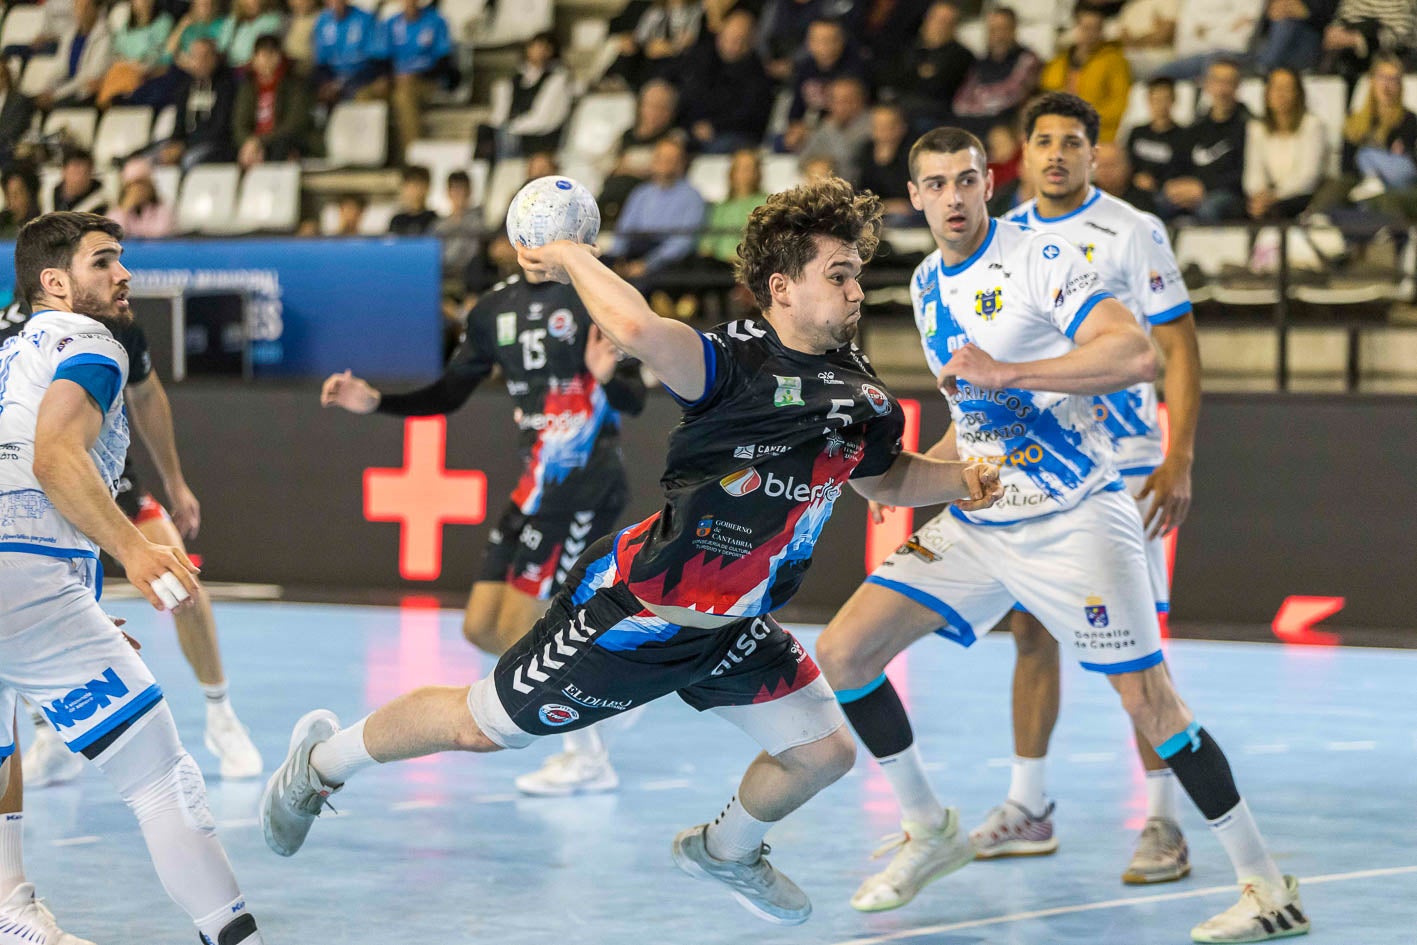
{"x":1020,"y":297}
{"x":1132,"y":253}
{"x":51,"y":344}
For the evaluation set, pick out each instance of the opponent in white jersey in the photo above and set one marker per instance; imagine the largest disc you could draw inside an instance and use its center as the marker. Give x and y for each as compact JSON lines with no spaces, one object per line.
{"x":1133,"y":256}
{"x":1029,"y":338}
{"x":65,"y":436}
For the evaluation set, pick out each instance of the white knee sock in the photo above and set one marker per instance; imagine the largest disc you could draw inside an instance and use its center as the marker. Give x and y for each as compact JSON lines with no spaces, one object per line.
{"x":735,"y":834}
{"x":586,"y":741}
{"x":906,"y":774}
{"x":337,"y":759}
{"x":1026,"y":785}
{"x":12,"y":852}
{"x":1161,"y":794}
{"x":1237,"y":832}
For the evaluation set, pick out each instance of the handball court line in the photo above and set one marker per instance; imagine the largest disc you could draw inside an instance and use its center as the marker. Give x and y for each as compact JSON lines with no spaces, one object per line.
{"x":905,"y":934}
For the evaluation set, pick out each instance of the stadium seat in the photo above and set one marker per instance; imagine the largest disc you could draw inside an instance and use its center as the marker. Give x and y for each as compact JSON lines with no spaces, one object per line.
{"x":506,"y":179}
{"x":970,"y":34}
{"x":1211,"y":248}
{"x":270,"y":199}
{"x":207,"y":202}
{"x":1239,"y":352}
{"x":77,"y":123}
{"x":40,"y":73}
{"x":709,"y":175}
{"x":357,"y":134}
{"x":597,"y":121}
{"x":121,"y":131}
{"x":49,"y":176}
{"x":22,"y":25}
{"x":118,"y":16}
{"x":463,"y":18}
{"x":167,"y":181}
{"x":1042,"y":38}
{"x":780,"y":172}
{"x":515,"y":21}
{"x":1388,"y":353}
{"x":1328,"y":99}
{"x":441,"y":157}
{"x":377,"y":217}
{"x":165,"y":123}
{"x":587,"y":172}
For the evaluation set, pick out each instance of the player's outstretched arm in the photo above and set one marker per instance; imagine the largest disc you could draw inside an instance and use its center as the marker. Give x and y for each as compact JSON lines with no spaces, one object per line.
{"x":915,"y":480}
{"x":1112,"y":353}
{"x":151,"y":414}
{"x":67,"y":426}
{"x":672,"y":350}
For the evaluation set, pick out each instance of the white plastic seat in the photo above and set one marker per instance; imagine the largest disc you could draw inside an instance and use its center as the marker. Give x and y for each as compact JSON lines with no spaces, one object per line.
{"x":780,"y":172}
{"x":596,"y":124}
{"x":41,"y":73}
{"x":709,"y":175}
{"x":358,"y":134}
{"x":502,"y":185}
{"x":1328,"y":99}
{"x":77,"y":123}
{"x":167,"y":181}
{"x":515,"y":21}
{"x":207,"y":201}
{"x":441,"y":158}
{"x":377,"y":217}
{"x":22,"y":25}
{"x":1211,"y":248}
{"x":1042,"y":38}
{"x":270,"y":199}
{"x":463,"y":17}
{"x":119,"y":15}
{"x":121,"y":131}
{"x":579,"y":169}
{"x":165,"y":124}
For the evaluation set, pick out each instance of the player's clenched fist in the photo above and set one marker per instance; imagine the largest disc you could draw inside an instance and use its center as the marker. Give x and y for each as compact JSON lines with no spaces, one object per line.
{"x":973,"y":364}
{"x":165,"y":575}
{"x":982,"y":481}
{"x":352,"y":393}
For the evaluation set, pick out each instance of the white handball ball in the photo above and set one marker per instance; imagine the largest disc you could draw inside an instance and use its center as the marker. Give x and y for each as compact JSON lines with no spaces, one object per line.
{"x":550,"y":209}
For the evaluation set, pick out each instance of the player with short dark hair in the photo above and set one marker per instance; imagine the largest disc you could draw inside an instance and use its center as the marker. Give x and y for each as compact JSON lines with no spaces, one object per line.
{"x":780,"y":414}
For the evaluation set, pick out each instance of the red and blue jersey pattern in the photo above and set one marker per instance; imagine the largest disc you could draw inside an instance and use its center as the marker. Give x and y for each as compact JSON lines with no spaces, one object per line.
{"x":754,"y":470}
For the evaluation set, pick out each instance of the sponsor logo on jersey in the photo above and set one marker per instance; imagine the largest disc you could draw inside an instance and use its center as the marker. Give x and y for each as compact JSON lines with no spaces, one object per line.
{"x":1156,"y":236}
{"x":561,"y":325}
{"x":1051,"y":251}
{"x":63,"y":343}
{"x":705,"y":526}
{"x":83,"y":702}
{"x":506,"y":329}
{"x":913,"y":546}
{"x":1058,"y":296}
{"x":988,"y":304}
{"x":742,"y":482}
{"x":930,"y":319}
{"x":1096,"y":612}
{"x":595,"y":702}
{"x":829,"y":377}
{"x":789,"y":392}
{"x":1154,"y":280}
{"x":1088,"y":249}
{"x":556,"y":715}
{"x":744,"y":645}
{"x":744,"y":452}
{"x":877,"y":399}
{"x":750,"y":450}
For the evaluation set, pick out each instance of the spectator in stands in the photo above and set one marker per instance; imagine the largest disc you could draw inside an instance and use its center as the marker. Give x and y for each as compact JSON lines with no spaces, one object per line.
{"x":718,"y":248}
{"x":419,"y":46}
{"x":206,"y":103}
{"x":827,"y":58}
{"x":16,"y":112}
{"x":728,"y":96}
{"x":999,"y":83}
{"x":1291,"y":34}
{"x":1379,"y":142}
{"x":77,"y":189}
{"x":1361,"y":28}
{"x":844,"y":130}
{"x":138,"y":51}
{"x":58,"y":19}
{"x":202,"y":21}
{"x":1094,"y":70}
{"x":664,"y":33}
{"x":878,"y":25}
{"x":21,"y":200}
{"x":346,"y":51}
{"x":463,"y":236}
{"x":529,"y":109}
{"x":661,"y":220}
{"x":927,"y":77}
{"x":883,"y":163}
{"x":1146,"y":30}
{"x":1286,"y":151}
{"x":1211,"y":29}
{"x":1112,"y":171}
{"x":351,"y":209}
{"x":85,"y":52}
{"x":140,"y":211}
{"x":249,"y":21}
{"x":655,"y":111}
{"x":300,"y":34}
{"x":272,"y":112}
{"x":784,"y":28}
{"x":1004,"y":145}
{"x":414,"y":218}
{"x":1154,"y":149}
{"x":1208,"y":186}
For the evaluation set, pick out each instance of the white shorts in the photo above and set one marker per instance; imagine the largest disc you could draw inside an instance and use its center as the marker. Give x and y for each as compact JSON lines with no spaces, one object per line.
{"x":1082,"y":572}
{"x":1155,"y":550}
{"x":59,"y":650}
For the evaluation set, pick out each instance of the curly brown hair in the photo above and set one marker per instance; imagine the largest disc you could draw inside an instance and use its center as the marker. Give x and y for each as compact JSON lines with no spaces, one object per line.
{"x":779,"y":235}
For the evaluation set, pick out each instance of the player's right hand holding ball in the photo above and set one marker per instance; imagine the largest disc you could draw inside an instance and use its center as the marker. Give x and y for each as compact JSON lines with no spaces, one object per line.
{"x":982,"y":481}
{"x":352,"y":393}
{"x":548,"y":263}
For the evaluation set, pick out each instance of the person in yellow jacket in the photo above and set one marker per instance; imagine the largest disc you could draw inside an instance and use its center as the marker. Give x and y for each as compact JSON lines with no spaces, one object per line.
{"x":1094,"y":70}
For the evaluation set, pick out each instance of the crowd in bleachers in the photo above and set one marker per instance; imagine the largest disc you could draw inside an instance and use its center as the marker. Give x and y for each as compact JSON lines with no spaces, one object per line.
{"x":188,"y":115}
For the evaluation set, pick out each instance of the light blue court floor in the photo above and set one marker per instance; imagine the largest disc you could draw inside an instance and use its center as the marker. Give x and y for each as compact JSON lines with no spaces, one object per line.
{"x":443,"y":850}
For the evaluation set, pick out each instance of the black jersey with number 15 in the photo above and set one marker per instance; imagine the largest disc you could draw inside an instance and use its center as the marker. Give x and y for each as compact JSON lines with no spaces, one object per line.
{"x":753,"y":471}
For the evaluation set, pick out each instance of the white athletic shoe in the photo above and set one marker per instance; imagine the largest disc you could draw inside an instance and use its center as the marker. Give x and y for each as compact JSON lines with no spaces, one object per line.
{"x":570,"y":772}
{"x":231,"y":742}
{"x":1010,"y":830}
{"x":48,"y":761}
{"x":922,"y":856}
{"x":26,"y":920}
{"x":755,"y":883}
{"x":1161,"y":855}
{"x":295,"y":795}
{"x":1261,"y":914}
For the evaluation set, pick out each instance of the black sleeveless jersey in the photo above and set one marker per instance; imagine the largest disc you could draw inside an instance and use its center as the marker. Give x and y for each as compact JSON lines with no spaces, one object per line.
{"x":753,"y":471}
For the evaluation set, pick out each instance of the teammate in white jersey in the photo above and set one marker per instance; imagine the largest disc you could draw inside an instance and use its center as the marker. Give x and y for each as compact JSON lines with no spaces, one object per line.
{"x":1021,"y":334}
{"x":63,"y":437}
{"x":1132,"y":254}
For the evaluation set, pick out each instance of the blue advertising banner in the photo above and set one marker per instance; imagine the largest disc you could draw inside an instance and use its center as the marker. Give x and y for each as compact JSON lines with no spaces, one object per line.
{"x":317,"y":305}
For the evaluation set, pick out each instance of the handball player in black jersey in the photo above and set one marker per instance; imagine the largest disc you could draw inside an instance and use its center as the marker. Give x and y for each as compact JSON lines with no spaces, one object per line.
{"x":780,"y":414}
{"x":568,"y":387}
